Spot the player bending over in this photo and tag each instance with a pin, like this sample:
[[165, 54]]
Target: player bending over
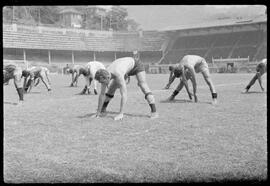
[[175, 73], [91, 68], [75, 72], [194, 64], [260, 70], [114, 77], [34, 74], [14, 72]]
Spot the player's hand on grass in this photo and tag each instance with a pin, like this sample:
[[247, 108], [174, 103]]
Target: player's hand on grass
[[119, 117], [96, 115], [166, 87], [190, 96], [171, 98]]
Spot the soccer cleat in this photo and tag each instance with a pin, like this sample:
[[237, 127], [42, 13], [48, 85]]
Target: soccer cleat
[[171, 98], [119, 117], [20, 103], [154, 115], [214, 102], [245, 91]]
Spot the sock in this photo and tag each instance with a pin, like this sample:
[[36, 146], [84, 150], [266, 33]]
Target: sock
[[214, 95], [175, 93], [153, 107], [105, 104], [20, 92], [248, 87]]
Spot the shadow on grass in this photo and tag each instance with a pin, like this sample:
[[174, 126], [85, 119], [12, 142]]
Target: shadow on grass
[[114, 113], [68, 86], [176, 101], [10, 103], [184, 101], [33, 93], [91, 94], [254, 92]]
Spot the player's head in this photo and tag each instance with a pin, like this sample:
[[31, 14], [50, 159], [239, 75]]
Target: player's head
[[29, 84], [103, 76], [5, 74], [177, 71], [25, 73], [171, 68], [136, 55], [84, 71], [69, 70]]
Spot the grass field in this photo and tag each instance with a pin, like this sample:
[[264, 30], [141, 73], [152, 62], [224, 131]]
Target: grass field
[[52, 138]]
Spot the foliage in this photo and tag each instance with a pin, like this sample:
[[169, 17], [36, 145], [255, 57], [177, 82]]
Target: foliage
[[116, 18]]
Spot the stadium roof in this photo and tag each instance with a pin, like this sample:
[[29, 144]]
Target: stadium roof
[[218, 23], [69, 10]]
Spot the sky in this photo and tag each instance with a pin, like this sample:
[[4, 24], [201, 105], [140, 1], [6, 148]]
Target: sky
[[155, 17]]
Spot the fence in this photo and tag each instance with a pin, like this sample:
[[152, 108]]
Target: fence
[[217, 66]]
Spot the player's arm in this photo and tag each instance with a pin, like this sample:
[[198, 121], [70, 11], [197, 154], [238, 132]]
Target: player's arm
[[188, 77], [123, 92], [101, 99], [260, 79], [171, 79], [193, 80]]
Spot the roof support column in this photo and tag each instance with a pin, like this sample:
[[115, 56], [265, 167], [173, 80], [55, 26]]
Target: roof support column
[[72, 57], [24, 58], [49, 56]]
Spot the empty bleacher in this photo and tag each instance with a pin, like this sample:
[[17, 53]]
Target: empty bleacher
[[227, 45]]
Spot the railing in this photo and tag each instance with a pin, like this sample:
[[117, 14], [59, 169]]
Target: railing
[[225, 60], [64, 31]]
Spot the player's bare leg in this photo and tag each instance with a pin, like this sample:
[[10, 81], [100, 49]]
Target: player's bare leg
[[46, 84], [253, 80], [209, 82], [177, 90], [19, 86], [109, 95], [147, 92]]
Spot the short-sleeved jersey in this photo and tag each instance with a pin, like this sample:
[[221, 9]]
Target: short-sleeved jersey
[[121, 66], [93, 67], [262, 66], [197, 62]]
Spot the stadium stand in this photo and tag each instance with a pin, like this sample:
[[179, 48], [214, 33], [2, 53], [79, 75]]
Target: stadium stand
[[63, 46]]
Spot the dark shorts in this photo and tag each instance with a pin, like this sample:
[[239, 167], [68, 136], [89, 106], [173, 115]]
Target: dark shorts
[[261, 68], [84, 72], [138, 67]]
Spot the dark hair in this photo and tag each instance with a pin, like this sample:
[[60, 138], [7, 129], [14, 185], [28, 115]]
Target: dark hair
[[101, 73], [25, 73], [177, 72], [171, 68]]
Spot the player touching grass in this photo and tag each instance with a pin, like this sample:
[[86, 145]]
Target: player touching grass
[[36, 73], [75, 72], [90, 71], [176, 73], [114, 77], [260, 70], [14, 72], [193, 64]]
